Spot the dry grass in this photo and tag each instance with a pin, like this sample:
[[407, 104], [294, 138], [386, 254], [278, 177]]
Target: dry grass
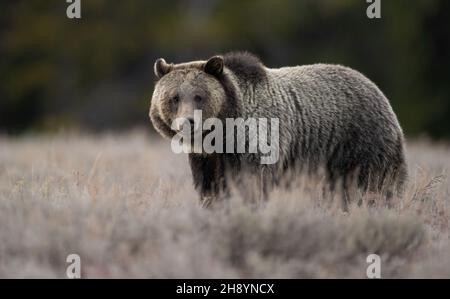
[[125, 204]]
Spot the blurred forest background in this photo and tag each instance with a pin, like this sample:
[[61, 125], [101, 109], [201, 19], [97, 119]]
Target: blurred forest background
[[95, 73]]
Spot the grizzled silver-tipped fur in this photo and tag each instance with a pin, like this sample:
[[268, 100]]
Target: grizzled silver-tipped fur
[[331, 117]]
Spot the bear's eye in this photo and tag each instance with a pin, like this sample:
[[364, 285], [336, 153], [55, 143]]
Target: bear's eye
[[198, 98], [175, 99]]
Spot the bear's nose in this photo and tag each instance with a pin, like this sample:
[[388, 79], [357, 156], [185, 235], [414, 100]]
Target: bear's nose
[[191, 122]]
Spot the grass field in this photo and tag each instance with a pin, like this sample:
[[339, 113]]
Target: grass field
[[125, 204]]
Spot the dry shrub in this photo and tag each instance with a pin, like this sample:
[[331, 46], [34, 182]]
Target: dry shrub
[[126, 205]]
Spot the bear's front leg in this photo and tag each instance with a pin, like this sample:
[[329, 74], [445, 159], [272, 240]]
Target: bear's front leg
[[208, 175]]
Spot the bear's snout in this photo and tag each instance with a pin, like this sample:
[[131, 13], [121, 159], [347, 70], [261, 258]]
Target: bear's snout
[[184, 125]]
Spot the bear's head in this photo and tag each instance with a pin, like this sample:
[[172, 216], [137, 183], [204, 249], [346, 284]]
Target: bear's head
[[183, 88]]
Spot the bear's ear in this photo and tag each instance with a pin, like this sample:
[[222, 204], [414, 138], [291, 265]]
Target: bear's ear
[[214, 66], [161, 68]]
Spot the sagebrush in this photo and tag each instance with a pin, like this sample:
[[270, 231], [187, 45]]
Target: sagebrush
[[125, 204]]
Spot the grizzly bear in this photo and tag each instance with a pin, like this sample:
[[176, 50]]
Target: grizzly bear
[[331, 118]]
